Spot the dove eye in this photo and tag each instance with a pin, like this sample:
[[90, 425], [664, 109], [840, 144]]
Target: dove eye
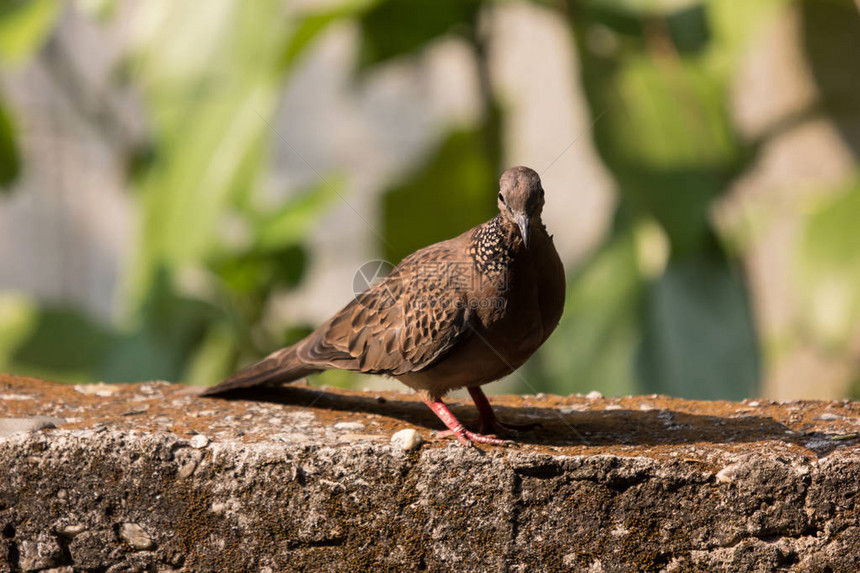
[[501, 198]]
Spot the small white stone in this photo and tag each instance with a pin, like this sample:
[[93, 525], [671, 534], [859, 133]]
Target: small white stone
[[351, 426], [572, 409], [187, 469], [613, 407], [135, 535], [198, 441], [754, 404], [39, 554], [728, 473], [645, 407], [828, 417], [290, 437], [15, 397], [594, 395], [100, 389], [73, 529], [408, 439]]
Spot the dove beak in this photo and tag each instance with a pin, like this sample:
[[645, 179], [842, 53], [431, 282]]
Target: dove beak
[[523, 224]]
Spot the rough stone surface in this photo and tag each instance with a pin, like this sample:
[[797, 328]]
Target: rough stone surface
[[300, 479]]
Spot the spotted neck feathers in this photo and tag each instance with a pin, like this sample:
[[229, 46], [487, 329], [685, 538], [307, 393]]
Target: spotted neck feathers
[[493, 246]]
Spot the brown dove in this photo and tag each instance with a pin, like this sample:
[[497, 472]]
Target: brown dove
[[459, 313]]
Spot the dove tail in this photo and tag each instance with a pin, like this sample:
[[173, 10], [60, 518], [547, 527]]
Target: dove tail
[[277, 368]]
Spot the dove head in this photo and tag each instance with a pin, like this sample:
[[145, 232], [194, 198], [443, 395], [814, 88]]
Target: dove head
[[521, 199]]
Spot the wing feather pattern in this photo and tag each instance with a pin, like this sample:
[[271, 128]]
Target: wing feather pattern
[[404, 323]]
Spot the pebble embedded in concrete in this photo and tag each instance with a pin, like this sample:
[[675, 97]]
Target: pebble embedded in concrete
[[198, 441], [351, 426], [73, 529], [135, 535], [187, 469], [407, 440], [100, 389], [594, 395], [728, 473], [41, 553], [573, 409]]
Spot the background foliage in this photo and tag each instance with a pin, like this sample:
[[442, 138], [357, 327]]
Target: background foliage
[[661, 306]]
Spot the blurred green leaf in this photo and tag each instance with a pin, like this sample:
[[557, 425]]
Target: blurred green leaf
[[291, 224], [211, 130], [675, 114], [666, 135], [258, 272], [689, 28], [828, 266], [699, 341], [213, 359], [188, 192], [176, 317], [243, 274], [452, 192], [309, 26], [171, 327], [831, 39], [143, 355], [18, 317], [100, 9], [212, 137], [294, 334], [641, 8], [393, 28], [24, 25], [274, 257], [734, 24], [64, 345], [289, 266], [687, 24], [601, 15], [10, 163]]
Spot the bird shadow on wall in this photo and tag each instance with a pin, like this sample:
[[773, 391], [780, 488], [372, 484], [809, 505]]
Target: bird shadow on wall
[[586, 428]]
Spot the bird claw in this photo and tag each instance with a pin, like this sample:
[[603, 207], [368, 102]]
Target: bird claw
[[495, 427], [490, 432], [467, 438]]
